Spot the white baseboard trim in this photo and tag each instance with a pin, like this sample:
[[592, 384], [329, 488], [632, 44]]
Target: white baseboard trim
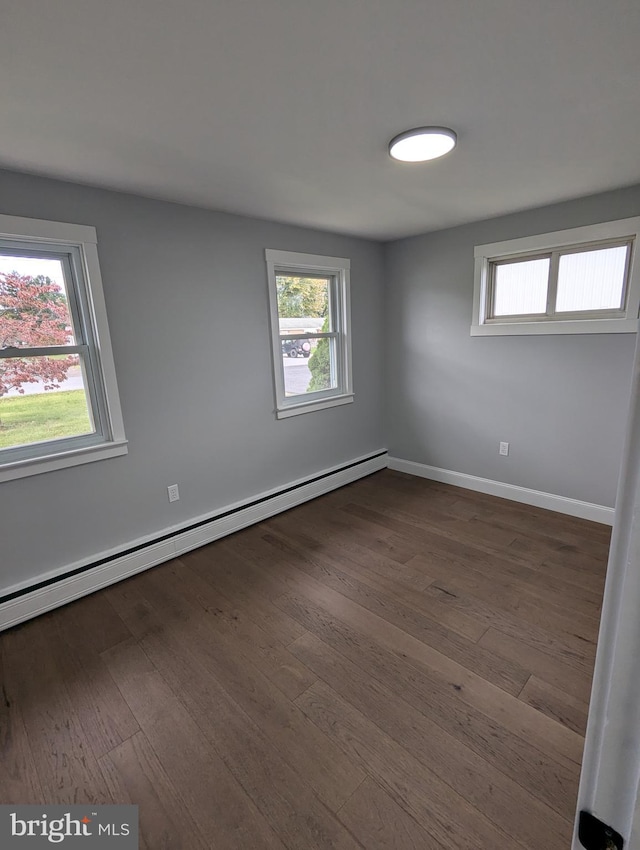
[[561, 504], [22, 602]]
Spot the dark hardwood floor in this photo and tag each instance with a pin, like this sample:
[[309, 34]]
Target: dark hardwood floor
[[398, 664]]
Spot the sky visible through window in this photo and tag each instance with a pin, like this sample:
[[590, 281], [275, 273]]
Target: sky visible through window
[[33, 266]]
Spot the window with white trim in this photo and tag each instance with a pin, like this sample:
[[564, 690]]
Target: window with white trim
[[59, 401], [584, 280], [310, 331]]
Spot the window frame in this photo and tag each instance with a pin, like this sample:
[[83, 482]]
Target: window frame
[[76, 247], [554, 245], [337, 269]]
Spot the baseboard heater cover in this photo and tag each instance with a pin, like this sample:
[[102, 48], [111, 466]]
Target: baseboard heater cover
[[23, 602]]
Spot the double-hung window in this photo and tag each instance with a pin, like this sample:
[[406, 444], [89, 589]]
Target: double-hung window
[[58, 396], [310, 330], [583, 280]]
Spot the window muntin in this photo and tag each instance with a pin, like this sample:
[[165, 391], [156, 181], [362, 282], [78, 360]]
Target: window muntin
[[309, 299], [583, 280], [58, 396]]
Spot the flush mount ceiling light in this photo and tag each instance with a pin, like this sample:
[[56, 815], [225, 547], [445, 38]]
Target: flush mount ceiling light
[[422, 144]]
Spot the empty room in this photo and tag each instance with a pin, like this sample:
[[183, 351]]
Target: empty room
[[319, 425]]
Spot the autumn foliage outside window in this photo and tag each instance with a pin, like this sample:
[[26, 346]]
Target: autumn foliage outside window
[[43, 395], [33, 314], [59, 402]]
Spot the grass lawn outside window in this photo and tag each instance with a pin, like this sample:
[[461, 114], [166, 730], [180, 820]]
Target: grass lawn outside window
[[43, 416]]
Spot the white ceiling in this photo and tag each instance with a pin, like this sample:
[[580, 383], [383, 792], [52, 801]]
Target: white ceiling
[[283, 108]]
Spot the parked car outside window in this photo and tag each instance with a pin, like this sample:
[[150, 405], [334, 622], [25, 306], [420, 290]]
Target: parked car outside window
[[296, 347]]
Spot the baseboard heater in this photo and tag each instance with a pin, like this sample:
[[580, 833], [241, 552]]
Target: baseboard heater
[[54, 589]]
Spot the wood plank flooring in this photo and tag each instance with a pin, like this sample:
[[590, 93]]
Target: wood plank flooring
[[399, 664]]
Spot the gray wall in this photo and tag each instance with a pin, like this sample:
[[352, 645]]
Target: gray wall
[[561, 401], [187, 304]]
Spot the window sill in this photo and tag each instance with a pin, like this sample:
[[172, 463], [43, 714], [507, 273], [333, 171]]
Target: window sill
[[310, 406], [582, 326], [61, 460]]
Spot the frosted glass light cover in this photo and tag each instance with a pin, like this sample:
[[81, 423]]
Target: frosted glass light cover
[[422, 144]]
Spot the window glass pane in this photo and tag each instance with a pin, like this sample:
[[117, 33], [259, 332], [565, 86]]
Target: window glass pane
[[308, 370], [34, 308], [520, 288], [592, 280], [303, 304], [42, 398]]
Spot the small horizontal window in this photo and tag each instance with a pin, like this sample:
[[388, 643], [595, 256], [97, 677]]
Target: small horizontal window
[[549, 284]]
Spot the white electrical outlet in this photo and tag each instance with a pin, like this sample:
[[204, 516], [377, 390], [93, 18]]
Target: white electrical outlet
[[504, 449], [174, 493]]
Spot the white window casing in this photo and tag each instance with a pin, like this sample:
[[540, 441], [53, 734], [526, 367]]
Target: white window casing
[[337, 270], [76, 246], [554, 246]]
